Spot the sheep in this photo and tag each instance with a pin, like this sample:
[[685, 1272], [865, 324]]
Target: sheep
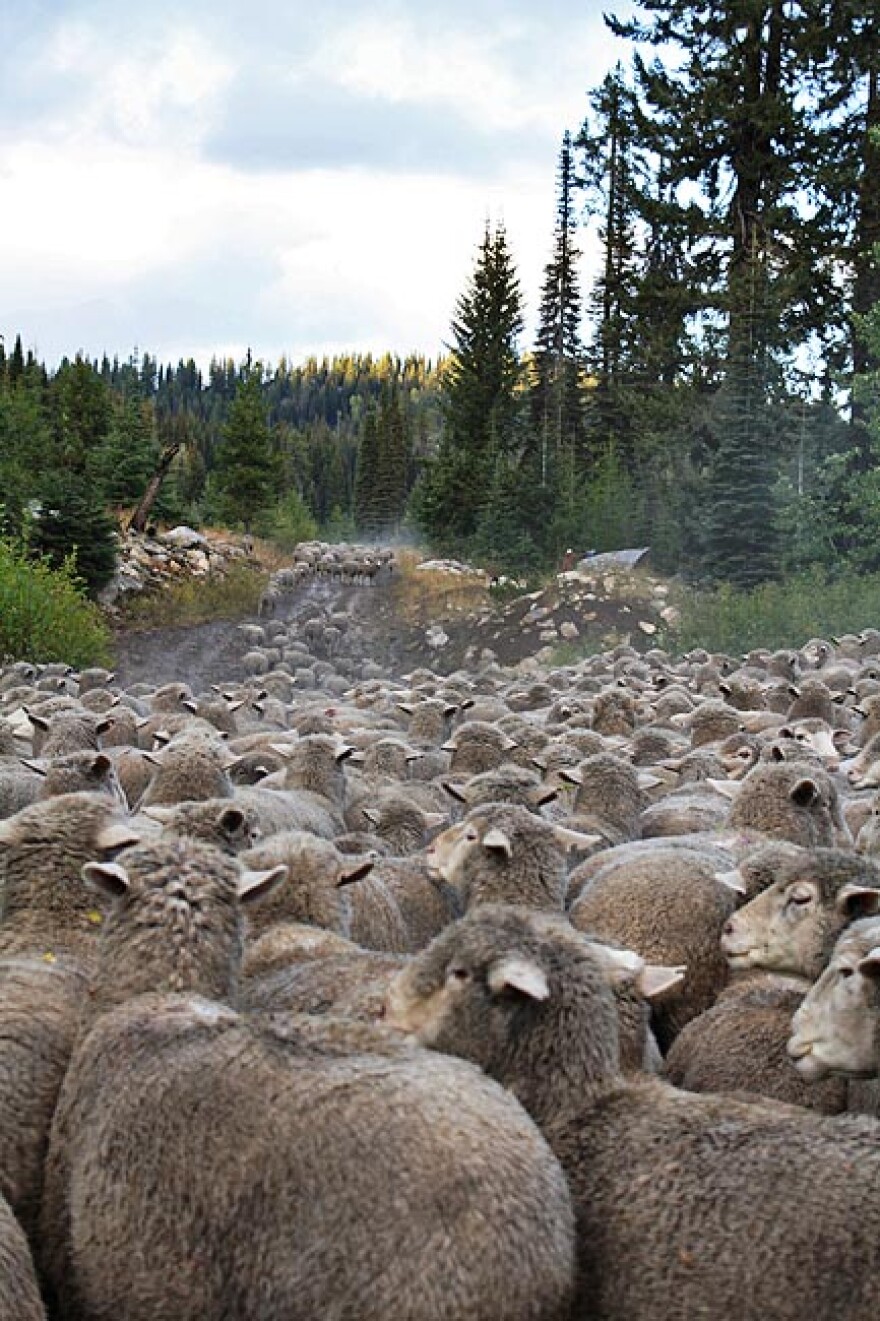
[[507, 783], [20, 785], [787, 800], [19, 1292], [503, 851], [668, 906], [835, 1029], [40, 1004], [608, 800], [189, 769], [396, 818], [376, 1154], [686, 1204], [739, 1045], [93, 772], [222, 822], [175, 920], [352, 982], [791, 926], [477, 746], [45, 908], [318, 877], [72, 730]]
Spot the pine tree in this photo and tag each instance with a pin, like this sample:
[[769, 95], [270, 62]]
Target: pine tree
[[557, 395], [71, 519], [481, 400], [247, 472], [366, 476]]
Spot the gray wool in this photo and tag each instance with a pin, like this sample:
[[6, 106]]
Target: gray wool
[[19, 1290], [371, 1155], [43, 848], [716, 1207], [738, 1045]]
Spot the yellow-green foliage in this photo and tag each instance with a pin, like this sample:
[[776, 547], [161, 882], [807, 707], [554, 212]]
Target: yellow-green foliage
[[44, 613], [198, 600], [783, 614], [424, 596]]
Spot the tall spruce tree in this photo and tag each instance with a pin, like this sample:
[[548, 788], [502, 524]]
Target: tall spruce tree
[[248, 470], [724, 115], [557, 392], [480, 395]]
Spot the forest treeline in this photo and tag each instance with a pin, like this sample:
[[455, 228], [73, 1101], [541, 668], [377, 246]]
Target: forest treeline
[[712, 395]]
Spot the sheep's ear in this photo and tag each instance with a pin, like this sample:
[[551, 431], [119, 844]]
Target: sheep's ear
[[231, 705], [654, 979], [620, 964], [433, 820], [190, 705], [497, 841], [406, 707], [254, 885], [103, 726], [372, 815], [517, 973], [116, 835], [355, 873], [40, 721], [449, 711], [733, 880], [231, 819], [230, 759], [36, 766], [110, 878], [858, 901], [647, 780], [575, 839], [571, 776], [869, 966], [344, 752], [805, 793], [544, 796], [456, 791], [727, 788]]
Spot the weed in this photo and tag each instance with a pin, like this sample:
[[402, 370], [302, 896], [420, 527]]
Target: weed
[[197, 600]]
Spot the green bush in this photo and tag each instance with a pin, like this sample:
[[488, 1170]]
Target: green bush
[[44, 613], [776, 614]]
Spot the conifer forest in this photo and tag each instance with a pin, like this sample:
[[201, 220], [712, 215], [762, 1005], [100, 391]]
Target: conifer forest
[[713, 395]]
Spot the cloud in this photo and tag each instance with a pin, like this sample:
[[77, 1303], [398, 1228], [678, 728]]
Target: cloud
[[290, 179]]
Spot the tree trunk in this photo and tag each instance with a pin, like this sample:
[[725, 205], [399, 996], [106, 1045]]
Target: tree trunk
[[138, 520]]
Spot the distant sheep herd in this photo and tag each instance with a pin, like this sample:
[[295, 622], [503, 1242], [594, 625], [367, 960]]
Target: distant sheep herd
[[347, 994]]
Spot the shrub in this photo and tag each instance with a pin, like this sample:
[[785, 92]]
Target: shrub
[[287, 523], [44, 613], [775, 614]]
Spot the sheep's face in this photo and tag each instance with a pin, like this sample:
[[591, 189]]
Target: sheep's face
[[789, 926], [837, 1026]]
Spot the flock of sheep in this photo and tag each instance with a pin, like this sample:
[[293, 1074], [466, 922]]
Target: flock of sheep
[[338, 993]]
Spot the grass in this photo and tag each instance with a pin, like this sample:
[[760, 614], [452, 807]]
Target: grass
[[425, 596], [197, 600], [783, 614], [45, 615]]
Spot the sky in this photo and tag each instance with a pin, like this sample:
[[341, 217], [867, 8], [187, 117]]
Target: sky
[[198, 180]]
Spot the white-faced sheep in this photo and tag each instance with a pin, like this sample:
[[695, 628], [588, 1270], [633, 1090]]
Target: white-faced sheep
[[687, 1205], [837, 1027], [791, 926]]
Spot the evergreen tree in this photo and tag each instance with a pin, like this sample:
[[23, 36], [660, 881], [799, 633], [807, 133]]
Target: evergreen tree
[[70, 519], [367, 476], [481, 399], [557, 396], [123, 463], [247, 473]]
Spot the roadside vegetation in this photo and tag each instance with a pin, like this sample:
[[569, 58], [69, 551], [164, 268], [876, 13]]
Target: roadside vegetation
[[45, 614]]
